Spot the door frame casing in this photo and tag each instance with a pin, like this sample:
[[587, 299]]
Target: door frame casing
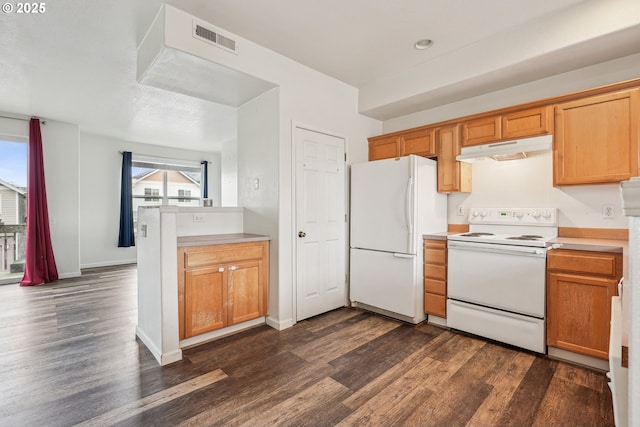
[[294, 233]]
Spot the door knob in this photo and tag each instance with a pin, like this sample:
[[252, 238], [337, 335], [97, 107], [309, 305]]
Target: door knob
[[301, 234]]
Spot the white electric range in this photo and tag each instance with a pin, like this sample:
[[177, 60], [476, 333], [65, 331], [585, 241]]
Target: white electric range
[[497, 275]]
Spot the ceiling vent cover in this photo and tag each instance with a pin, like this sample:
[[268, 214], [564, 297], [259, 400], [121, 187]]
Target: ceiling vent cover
[[213, 37]]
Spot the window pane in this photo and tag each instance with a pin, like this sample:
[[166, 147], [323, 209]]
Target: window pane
[[149, 183], [183, 188]]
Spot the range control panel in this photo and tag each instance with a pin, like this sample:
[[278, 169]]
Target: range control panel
[[547, 217]]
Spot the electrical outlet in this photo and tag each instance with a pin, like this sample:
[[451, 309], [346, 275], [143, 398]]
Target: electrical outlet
[[198, 218], [608, 211], [460, 210]]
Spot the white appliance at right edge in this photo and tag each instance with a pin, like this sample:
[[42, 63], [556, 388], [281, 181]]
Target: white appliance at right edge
[[394, 202]]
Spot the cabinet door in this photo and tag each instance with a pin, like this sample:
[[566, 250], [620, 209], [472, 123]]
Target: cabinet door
[[421, 143], [452, 174], [247, 291], [205, 300], [385, 148], [481, 131], [578, 313], [533, 122], [596, 139]]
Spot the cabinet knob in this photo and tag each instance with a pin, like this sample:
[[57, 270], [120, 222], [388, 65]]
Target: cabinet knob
[[302, 234], [233, 268], [221, 270]]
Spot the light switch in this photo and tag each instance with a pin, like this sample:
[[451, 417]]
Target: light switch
[[256, 183]]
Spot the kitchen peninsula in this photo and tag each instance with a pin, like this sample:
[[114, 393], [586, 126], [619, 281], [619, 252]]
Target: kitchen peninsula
[[197, 272]]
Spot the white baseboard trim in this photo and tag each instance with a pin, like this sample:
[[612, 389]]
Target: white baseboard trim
[[435, 320], [69, 275], [209, 336], [580, 359], [174, 356], [150, 344], [108, 263], [163, 359], [278, 324]]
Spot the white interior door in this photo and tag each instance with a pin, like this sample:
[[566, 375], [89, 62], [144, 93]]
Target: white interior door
[[320, 223]]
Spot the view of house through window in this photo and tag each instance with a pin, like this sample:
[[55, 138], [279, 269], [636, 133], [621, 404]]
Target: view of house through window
[[13, 210], [156, 184]]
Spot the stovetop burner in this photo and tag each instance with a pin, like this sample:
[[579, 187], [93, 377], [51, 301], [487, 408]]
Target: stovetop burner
[[525, 237]]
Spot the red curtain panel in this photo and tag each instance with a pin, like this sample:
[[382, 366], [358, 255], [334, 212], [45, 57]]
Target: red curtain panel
[[40, 264]]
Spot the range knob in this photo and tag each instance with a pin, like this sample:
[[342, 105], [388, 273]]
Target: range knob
[[475, 214], [519, 214], [546, 214], [536, 214], [483, 213]]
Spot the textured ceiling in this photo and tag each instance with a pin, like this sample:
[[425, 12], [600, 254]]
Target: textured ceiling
[[77, 62]]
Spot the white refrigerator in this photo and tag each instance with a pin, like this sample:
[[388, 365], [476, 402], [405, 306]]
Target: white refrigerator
[[394, 202]]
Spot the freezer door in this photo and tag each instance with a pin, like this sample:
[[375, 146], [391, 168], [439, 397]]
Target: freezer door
[[382, 195], [385, 280]]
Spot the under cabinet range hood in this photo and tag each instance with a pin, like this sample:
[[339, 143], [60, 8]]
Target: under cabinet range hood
[[507, 150]]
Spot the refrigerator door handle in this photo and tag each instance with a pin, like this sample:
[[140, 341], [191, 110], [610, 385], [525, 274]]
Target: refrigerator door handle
[[408, 210], [408, 256]]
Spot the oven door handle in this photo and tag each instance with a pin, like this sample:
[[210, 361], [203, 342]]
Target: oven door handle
[[500, 249]]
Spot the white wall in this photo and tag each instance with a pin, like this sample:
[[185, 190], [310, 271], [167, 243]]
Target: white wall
[[258, 140], [229, 173], [529, 183], [100, 168]]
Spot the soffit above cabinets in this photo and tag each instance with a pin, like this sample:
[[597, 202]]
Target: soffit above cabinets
[[163, 64]]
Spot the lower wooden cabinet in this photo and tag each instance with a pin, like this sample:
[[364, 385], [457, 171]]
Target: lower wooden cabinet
[[221, 285], [435, 277], [580, 285]]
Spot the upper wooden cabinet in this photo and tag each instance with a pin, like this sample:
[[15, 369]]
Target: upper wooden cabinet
[[518, 124], [481, 131], [532, 122], [384, 148], [420, 142], [596, 139], [452, 175]]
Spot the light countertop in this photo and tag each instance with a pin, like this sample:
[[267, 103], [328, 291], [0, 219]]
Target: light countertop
[[219, 239]]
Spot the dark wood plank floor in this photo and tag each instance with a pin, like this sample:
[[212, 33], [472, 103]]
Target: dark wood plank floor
[[69, 356]]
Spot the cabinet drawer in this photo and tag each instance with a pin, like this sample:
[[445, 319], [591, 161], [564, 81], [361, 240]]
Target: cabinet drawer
[[435, 244], [219, 254], [438, 272], [601, 263], [434, 286], [435, 256], [435, 304]]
